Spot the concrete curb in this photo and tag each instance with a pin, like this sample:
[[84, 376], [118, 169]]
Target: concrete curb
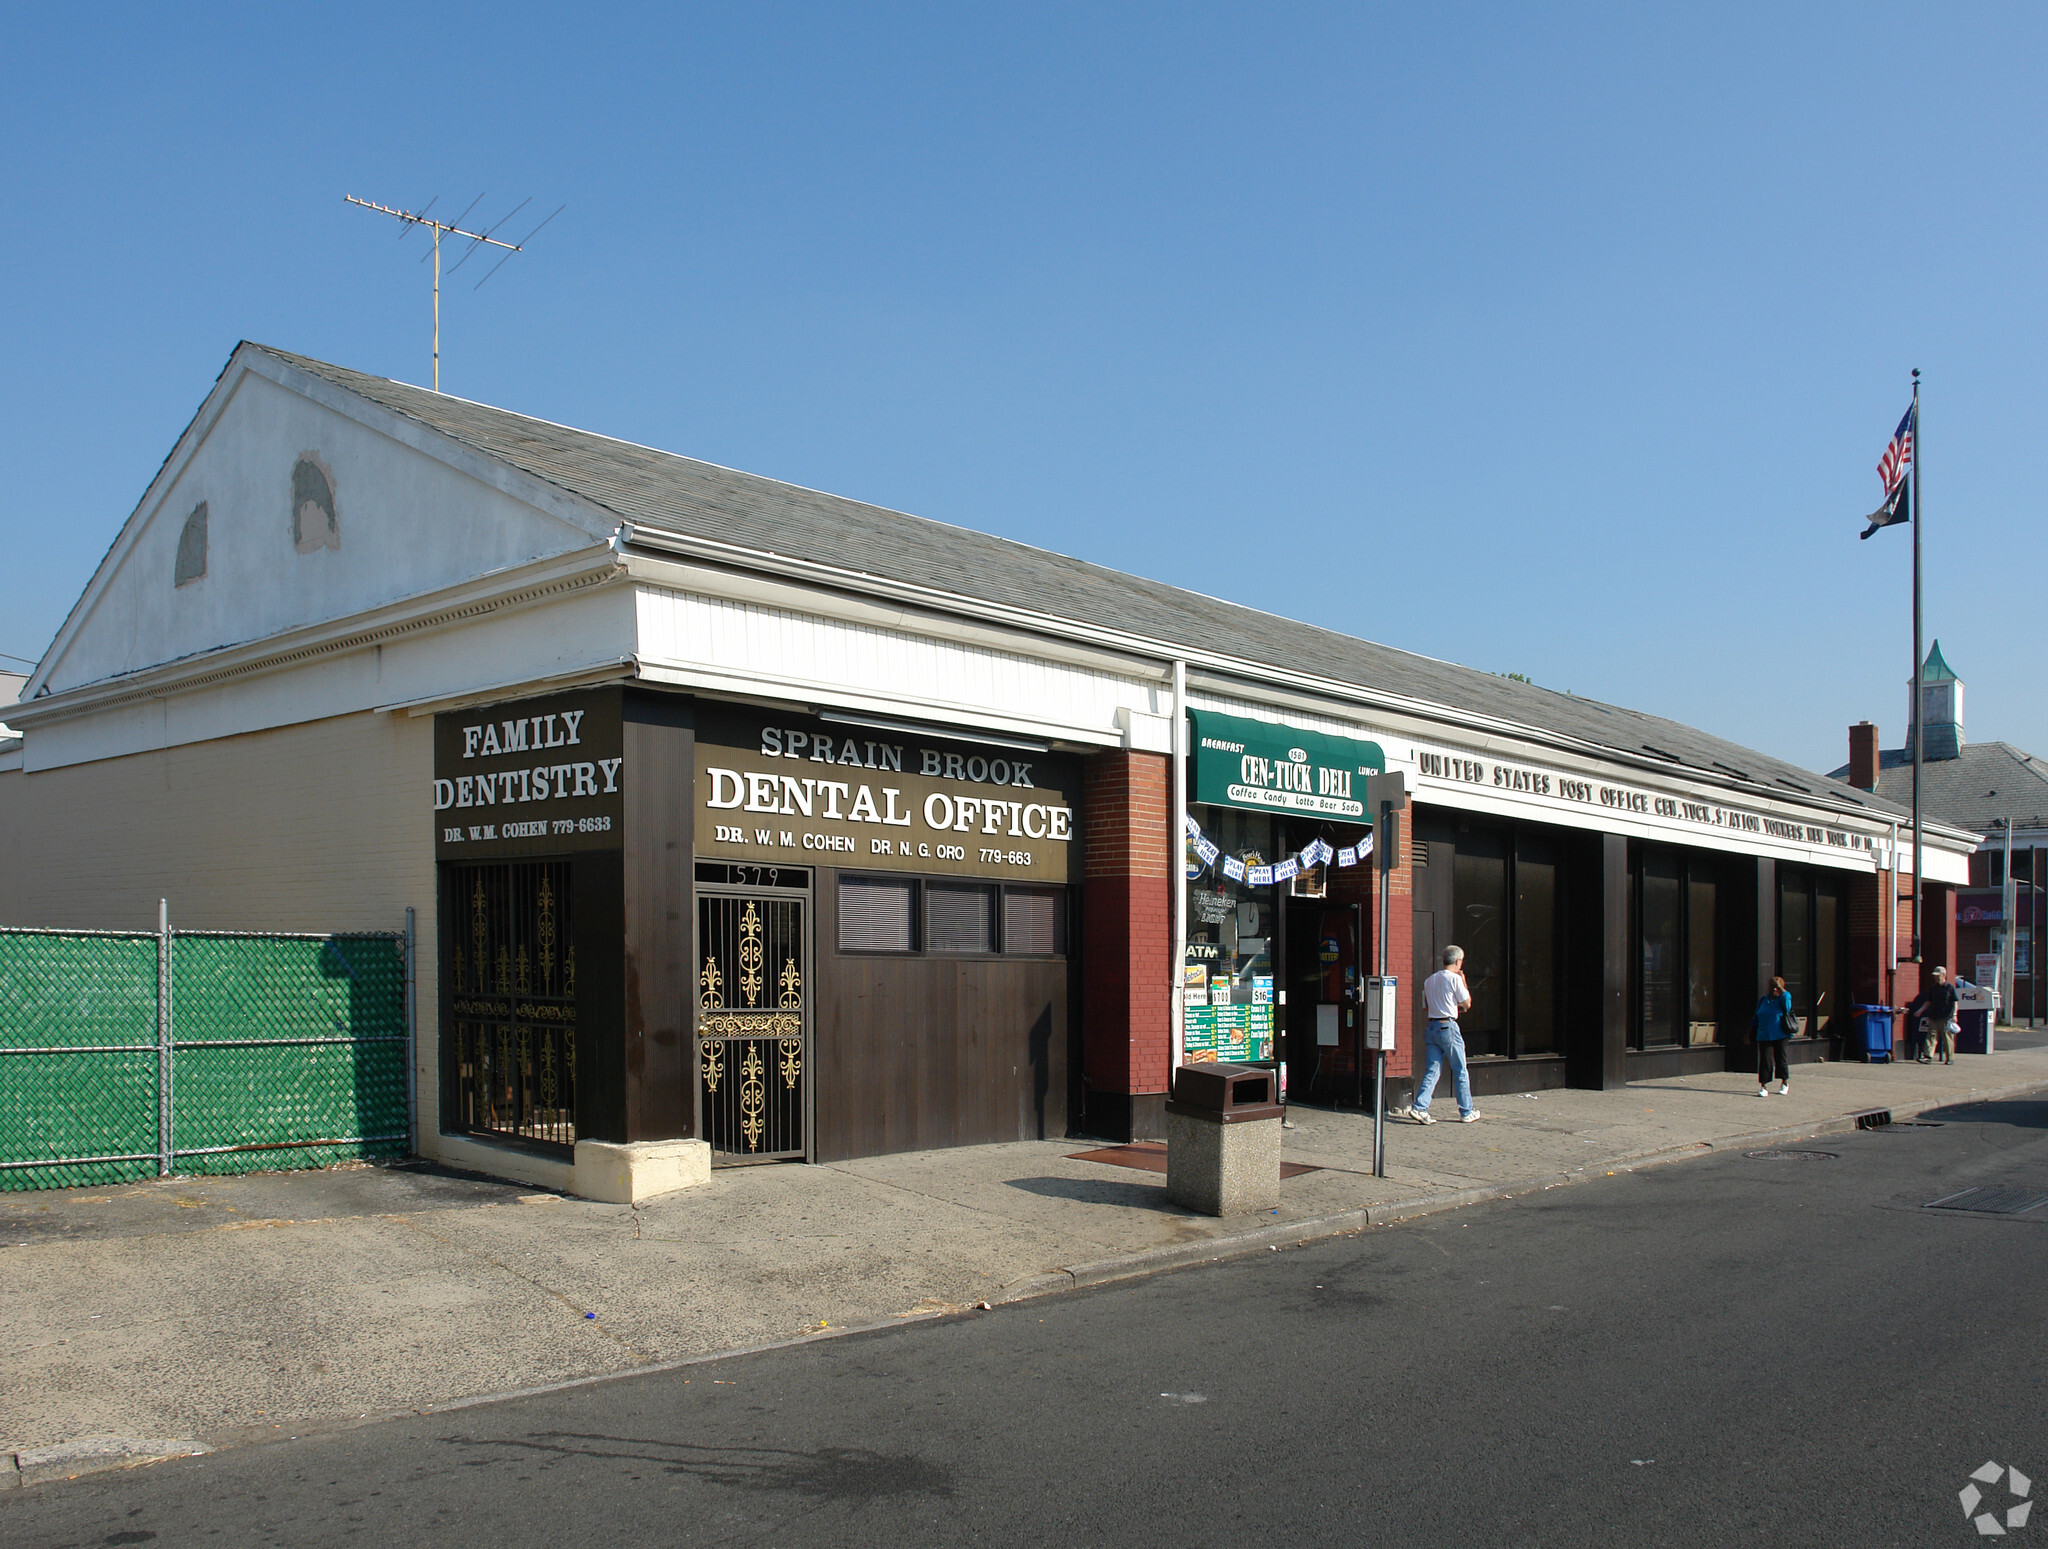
[[90, 1455], [1151, 1261]]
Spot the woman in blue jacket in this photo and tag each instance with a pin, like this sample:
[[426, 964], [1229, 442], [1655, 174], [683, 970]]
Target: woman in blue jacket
[[1773, 1027]]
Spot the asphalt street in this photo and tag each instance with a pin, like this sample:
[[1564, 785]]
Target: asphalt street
[[1777, 1349]]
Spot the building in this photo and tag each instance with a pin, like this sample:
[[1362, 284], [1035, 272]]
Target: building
[[1992, 790], [763, 820]]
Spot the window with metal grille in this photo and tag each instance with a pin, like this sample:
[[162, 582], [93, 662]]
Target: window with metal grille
[[960, 917], [1034, 922], [877, 914]]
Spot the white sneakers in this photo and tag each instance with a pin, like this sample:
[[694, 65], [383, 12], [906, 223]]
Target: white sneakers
[[1784, 1089], [1471, 1118], [1764, 1091], [1422, 1115]]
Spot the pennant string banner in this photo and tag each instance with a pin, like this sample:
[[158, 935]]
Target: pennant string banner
[[1316, 852]]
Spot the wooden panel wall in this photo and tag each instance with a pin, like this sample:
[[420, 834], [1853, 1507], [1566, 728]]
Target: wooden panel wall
[[917, 1053], [657, 1102]]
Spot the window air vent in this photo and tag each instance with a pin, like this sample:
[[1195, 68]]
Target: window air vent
[[1795, 785], [1651, 747], [1418, 852]]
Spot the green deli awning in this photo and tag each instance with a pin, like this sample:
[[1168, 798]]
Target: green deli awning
[[1240, 763]]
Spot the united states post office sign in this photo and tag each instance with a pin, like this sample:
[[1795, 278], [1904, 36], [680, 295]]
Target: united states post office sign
[[788, 789], [530, 777], [1269, 768]]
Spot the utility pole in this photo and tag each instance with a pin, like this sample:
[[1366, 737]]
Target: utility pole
[[479, 239], [1919, 670]]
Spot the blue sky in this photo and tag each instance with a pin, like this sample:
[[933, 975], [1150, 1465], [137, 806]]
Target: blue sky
[[1556, 340]]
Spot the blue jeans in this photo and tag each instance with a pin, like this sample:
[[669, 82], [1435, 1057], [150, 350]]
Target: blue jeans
[[1446, 1047]]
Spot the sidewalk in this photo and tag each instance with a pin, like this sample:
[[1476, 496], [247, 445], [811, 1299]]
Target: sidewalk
[[224, 1310]]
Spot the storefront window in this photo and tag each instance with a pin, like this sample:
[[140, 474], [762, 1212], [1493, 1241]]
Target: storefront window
[[1827, 915], [1795, 937], [1700, 964], [1536, 1030], [1034, 921], [1479, 882], [960, 917], [1661, 948], [877, 914], [1227, 976]]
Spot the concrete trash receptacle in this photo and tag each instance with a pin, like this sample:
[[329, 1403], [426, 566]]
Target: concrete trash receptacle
[[1223, 1140]]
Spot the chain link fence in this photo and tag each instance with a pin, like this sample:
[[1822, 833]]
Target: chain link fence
[[132, 1055]]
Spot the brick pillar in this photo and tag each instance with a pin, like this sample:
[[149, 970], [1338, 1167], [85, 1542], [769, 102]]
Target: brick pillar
[[1126, 945], [1405, 1060]]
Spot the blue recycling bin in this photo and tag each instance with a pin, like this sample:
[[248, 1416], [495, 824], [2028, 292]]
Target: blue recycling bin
[[1874, 1033]]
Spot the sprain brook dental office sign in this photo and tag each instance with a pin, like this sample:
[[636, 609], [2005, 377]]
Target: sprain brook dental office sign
[[1240, 763], [793, 790]]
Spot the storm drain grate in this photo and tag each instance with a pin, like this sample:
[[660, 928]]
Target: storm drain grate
[[1792, 1156], [1992, 1201]]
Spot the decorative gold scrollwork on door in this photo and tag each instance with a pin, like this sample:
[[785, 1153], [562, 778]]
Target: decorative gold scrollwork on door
[[751, 1115], [750, 954]]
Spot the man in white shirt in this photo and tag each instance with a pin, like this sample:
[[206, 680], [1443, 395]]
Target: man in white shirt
[[1444, 995]]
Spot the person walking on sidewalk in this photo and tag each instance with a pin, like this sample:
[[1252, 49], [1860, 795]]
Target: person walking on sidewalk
[[1444, 995], [1774, 1024], [1932, 1016]]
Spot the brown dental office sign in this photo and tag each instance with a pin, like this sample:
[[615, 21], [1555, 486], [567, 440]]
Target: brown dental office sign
[[785, 789], [530, 777]]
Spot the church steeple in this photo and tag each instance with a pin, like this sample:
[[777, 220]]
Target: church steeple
[[1941, 698]]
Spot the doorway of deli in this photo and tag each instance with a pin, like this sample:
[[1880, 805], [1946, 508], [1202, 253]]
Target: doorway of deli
[[1278, 880]]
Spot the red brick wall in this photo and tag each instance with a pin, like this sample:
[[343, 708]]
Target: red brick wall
[[1127, 931]]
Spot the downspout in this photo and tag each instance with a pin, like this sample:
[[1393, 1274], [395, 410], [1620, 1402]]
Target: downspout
[[1176, 852], [1891, 911]]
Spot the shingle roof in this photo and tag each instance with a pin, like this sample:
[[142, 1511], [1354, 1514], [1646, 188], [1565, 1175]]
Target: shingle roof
[[680, 494], [1990, 782]]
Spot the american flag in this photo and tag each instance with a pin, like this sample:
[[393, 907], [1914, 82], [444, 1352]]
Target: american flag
[[1898, 457]]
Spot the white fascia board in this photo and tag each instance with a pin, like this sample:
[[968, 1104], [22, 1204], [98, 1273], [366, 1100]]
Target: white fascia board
[[573, 510], [1233, 676], [525, 645], [733, 585], [588, 675], [763, 688]]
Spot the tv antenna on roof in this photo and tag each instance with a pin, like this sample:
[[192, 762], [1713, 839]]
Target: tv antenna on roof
[[477, 239]]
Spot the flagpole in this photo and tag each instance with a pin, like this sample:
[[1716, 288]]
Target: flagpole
[[1919, 685]]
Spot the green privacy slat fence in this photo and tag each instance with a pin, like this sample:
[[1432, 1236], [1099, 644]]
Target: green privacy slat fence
[[78, 1058], [254, 1052]]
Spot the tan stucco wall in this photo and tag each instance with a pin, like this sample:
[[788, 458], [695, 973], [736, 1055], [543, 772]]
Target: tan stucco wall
[[326, 826]]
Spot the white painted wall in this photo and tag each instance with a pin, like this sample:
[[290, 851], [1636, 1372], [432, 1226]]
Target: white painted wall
[[409, 524]]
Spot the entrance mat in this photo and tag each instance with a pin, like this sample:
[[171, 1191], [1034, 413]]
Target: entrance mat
[[1150, 1156]]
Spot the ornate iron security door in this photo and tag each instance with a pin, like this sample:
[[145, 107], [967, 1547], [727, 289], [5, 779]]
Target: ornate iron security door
[[753, 1026], [510, 993]]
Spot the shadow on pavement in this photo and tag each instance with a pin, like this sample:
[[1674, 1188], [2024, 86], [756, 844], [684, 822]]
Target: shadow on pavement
[[1098, 1191], [2018, 1112]]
